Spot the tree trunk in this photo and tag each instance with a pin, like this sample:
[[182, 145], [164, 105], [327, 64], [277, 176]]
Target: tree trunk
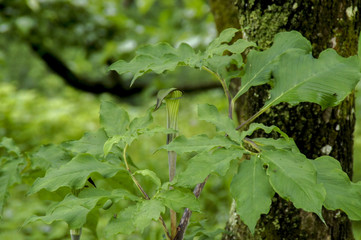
[[327, 23]]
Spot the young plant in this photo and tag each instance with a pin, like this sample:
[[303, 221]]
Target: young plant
[[265, 166], [172, 98]]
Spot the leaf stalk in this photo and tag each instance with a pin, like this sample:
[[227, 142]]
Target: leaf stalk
[[172, 104], [145, 195]]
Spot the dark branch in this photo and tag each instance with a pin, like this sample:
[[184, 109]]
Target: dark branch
[[116, 87], [61, 69], [183, 224]]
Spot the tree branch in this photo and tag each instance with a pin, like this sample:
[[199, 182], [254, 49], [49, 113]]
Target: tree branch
[[183, 224], [60, 68]]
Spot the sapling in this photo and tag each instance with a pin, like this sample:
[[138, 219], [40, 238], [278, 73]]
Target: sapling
[[272, 166], [172, 98]]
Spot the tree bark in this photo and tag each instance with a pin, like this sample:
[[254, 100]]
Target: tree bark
[[327, 24]]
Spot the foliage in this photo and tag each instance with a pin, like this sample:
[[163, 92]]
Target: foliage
[[265, 166], [29, 113], [89, 34]]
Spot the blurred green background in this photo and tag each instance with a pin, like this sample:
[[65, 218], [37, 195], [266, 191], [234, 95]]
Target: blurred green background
[[40, 105]]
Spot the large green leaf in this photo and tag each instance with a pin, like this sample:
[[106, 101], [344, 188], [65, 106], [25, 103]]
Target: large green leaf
[[76, 211], [197, 143], [123, 223], [280, 143], [91, 142], [113, 118], [178, 199], [294, 178], [72, 210], [221, 65], [116, 194], [326, 81], [10, 146], [236, 48], [268, 129], [205, 163], [73, 174], [146, 212], [9, 175], [136, 127], [223, 123], [252, 191], [162, 57], [10, 162], [151, 175], [224, 37], [260, 64], [49, 156], [158, 58], [135, 217], [341, 193]]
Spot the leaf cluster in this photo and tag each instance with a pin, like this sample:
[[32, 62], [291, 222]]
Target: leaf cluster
[[265, 166]]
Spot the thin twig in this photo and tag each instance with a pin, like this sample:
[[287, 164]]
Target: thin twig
[[188, 213], [225, 88], [145, 195]]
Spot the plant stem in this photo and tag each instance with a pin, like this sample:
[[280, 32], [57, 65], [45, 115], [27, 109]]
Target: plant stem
[[145, 195], [172, 105], [256, 115], [75, 234], [183, 224], [198, 189], [225, 89]]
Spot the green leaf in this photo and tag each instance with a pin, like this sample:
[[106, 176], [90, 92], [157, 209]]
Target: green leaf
[[260, 64], [113, 118], [221, 65], [9, 175], [162, 94], [197, 143], [136, 217], [252, 191], [73, 174], [280, 143], [49, 156], [137, 127], [237, 47], [158, 58], [91, 142], [152, 175], [268, 129], [116, 194], [115, 140], [223, 123], [122, 224], [178, 199], [205, 163], [10, 146], [139, 124], [294, 178], [341, 193], [224, 37], [325, 81], [146, 212], [72, 210]]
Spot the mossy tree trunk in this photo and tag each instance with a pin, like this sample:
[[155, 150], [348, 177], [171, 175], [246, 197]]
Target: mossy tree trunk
[[327, 24]]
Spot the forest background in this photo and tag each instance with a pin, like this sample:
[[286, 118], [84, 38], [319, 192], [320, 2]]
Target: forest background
[[54, 57]]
